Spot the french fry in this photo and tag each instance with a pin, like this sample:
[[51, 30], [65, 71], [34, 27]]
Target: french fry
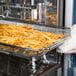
[[25, 36]]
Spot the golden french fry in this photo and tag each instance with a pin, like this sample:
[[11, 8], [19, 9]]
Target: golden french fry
[[26, 37]]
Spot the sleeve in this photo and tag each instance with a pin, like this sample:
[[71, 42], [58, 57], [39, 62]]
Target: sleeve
[[69, 45]]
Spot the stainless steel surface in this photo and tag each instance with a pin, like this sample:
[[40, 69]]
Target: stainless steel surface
[[41, 12], [1, 10], [64, 31], [51, 72], [3, 1], [47, 12], [39, 64], [51, 12], [14, 66], [20, 49]]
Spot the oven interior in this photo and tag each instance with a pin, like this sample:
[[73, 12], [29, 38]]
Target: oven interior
[[35, 11]]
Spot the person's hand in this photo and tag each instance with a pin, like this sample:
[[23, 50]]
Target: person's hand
[[69, 45]]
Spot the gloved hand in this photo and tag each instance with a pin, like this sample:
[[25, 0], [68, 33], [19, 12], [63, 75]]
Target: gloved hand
[[69, 45]]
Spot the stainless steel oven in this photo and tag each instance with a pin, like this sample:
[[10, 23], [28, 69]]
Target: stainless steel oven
[[44, 15], [48, 12]]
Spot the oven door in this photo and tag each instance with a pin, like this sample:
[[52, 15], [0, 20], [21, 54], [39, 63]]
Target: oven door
[[47, 12]]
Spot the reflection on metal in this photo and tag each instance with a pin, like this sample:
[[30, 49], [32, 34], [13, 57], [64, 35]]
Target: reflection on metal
[[33, 65], [44, 11], [41, 14], [32, 11], [51, 12]]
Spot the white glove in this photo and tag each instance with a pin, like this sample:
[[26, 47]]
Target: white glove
[[69, 45]]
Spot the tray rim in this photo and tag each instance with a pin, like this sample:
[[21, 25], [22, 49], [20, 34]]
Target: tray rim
[[49, 48]]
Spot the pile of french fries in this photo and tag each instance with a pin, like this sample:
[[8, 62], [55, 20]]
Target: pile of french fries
[[25, 36]]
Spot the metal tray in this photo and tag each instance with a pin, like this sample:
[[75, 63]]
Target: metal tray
[[23, 52]]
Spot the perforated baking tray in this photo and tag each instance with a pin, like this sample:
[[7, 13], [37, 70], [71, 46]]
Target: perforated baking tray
[[24, 52]]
